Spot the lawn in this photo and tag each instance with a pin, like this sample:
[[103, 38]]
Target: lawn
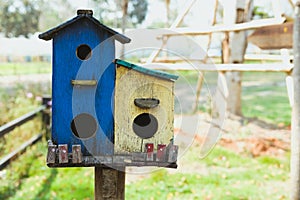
[[264, 95], [24, 68], [221, 175]]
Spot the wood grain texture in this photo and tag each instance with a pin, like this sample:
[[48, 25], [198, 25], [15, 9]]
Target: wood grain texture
[[135, 159], [295, 130], [70, 101], [273, 37], [265, 67], [131, 85], [109, 184]]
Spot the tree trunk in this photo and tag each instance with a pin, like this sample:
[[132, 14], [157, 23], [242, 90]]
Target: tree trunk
[[295, 133], [225, 49], [168, 12], [124, 23], [236, 51]]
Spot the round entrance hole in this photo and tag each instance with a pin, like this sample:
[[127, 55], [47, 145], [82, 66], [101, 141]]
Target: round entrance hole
[[84, 126], [83, 52], [145, 125]]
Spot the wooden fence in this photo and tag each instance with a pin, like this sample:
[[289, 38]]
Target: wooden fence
[[8, 127]]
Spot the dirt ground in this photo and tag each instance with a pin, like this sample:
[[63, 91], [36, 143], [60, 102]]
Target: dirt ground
[[253, 136]]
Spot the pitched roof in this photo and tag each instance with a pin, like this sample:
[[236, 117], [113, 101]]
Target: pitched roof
[[88, 14], [151, 72]]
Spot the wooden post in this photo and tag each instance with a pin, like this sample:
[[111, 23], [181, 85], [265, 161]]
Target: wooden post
[[109, 184], [295, 133], [46, 118]]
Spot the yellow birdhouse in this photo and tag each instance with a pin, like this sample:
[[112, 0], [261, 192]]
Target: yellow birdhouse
[[144, 108]]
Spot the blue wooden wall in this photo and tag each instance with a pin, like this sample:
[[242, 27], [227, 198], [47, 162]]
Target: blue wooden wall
[[69, 100]]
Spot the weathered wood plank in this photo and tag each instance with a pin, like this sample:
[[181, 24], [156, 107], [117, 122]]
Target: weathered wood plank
[[273, 37], [224, 28], [295, 130], [174, 59], [109, 184], [265, 57], [271, 67]]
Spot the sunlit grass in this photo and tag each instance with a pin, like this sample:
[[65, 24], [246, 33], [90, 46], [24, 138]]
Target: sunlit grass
[[264, 94], [24, 68], [267, 102], [227, 175]]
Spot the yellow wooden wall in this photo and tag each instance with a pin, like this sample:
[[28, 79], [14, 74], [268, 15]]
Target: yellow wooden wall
[[130, 85]]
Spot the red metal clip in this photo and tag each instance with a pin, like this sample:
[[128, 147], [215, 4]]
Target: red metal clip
[[161, 153], [76, 153], [149, 147], [63, 153]]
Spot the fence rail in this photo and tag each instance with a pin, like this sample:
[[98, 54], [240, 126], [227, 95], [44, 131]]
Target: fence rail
[[8, 127]]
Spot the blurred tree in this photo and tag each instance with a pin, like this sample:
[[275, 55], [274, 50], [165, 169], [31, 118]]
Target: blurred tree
[[55, 12], [260, 13], [168, 11], [116, 13], [135, 9], [19, 17]]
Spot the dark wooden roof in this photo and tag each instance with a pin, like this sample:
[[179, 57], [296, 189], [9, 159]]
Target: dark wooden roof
[[151, 72], [88, 14]]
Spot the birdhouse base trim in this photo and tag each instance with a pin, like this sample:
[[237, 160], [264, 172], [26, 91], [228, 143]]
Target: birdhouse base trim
[[115, 161], [58, 156]]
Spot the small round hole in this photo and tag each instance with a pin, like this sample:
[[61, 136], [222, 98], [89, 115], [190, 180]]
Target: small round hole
[[84, 52], [84, 126], [145, 125]]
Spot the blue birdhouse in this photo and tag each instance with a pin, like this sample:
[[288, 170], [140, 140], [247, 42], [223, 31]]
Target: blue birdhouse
[[83, 85]]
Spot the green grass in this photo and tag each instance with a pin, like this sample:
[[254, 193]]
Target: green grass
[[28, 177], [16, 101], [24, 68], [267, 102], [226, 175]]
